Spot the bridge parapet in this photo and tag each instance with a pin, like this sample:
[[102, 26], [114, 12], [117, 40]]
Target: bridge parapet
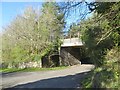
[[72, 42]]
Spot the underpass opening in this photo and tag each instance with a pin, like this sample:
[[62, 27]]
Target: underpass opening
[[74, 55]]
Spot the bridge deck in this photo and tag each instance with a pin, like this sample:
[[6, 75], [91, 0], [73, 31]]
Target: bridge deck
[[72, 42]]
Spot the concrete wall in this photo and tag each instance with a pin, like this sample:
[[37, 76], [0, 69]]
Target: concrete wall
[[70, 56], [72, 42]]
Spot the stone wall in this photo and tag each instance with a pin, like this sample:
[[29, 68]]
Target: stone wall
[[33, 64], [22, 65], [50, 61]]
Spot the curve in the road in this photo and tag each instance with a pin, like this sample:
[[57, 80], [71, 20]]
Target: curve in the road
[[67, 78]]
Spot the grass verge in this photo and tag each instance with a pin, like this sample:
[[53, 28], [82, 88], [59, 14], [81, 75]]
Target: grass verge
[[101, 78], [9, 70]]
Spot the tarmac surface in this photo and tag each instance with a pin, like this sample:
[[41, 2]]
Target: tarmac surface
[[64, 78]]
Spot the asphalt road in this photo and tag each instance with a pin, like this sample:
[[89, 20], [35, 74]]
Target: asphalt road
[[65, 78]]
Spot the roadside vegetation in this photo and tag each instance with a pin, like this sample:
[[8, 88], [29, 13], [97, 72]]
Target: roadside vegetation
[[36, 35], [32, 36], [101, 37]]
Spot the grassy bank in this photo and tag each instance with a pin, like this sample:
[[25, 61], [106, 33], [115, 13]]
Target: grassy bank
[[101, 78], [8, 70]]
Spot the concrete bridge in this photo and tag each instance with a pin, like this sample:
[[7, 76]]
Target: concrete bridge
[[70, 42], [70, 51]]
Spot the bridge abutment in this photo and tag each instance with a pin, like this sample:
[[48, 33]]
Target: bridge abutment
[[70, 56]]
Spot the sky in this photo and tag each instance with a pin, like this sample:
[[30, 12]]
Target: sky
[[11, 9]]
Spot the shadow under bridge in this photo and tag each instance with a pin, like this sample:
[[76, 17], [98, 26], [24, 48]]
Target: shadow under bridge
[[70, 51]]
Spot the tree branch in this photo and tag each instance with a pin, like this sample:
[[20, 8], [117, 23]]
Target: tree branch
[[106, 35]]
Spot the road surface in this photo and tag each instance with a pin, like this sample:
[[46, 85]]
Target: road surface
[[65, 78]]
